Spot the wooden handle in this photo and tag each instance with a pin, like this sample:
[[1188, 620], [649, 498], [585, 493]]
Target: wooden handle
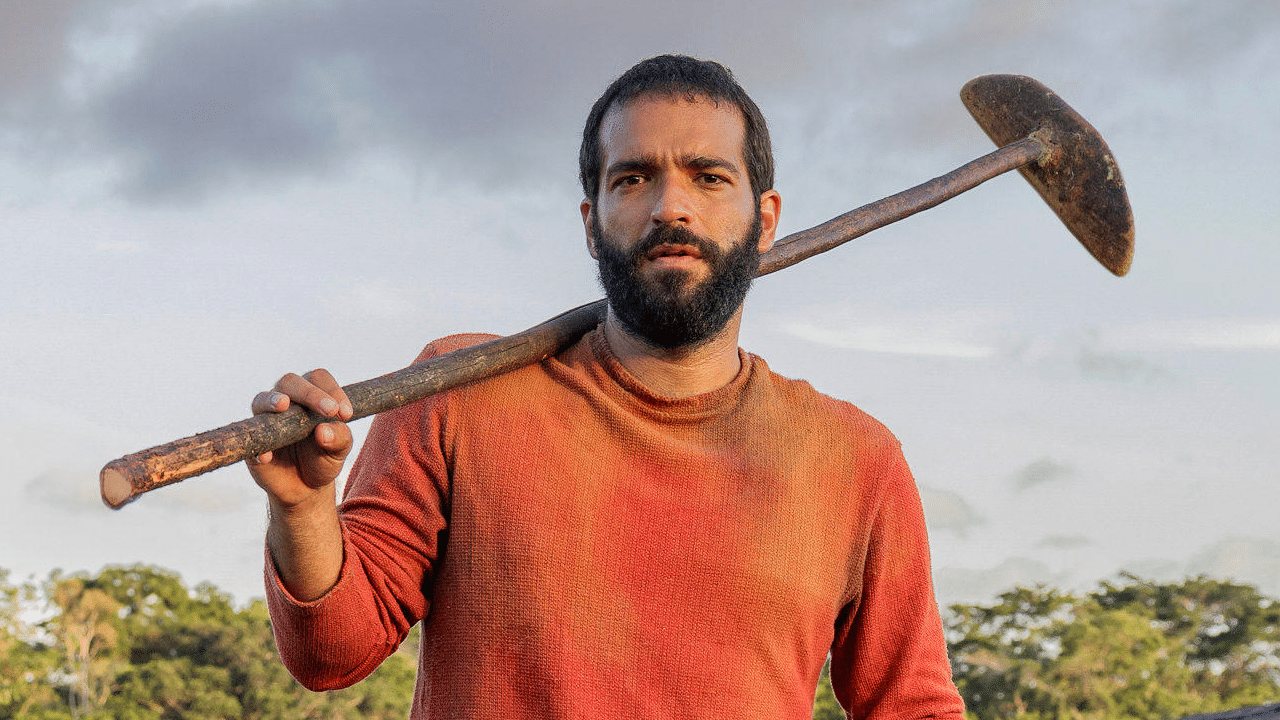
[[124, 479]]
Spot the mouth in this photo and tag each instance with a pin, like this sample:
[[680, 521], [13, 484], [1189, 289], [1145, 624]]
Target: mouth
[[670, 253]]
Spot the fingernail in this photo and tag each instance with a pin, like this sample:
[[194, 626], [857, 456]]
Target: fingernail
[[347, 409], [328, 406], [324, 433], [274, 398]]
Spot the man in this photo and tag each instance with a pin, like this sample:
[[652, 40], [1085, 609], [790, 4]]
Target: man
[[650, 524]]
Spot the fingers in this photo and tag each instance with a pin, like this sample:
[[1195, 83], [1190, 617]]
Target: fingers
[[316, 390], [269, 401], [291, 474], [317, 461], [335, 402], [333, 438]]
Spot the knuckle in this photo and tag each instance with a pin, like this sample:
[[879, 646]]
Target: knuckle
[[317, 374]]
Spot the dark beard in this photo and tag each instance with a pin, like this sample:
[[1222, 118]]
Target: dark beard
[[666, 311]]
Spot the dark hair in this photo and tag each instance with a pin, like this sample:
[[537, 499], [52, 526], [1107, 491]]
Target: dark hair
[[678, 75]]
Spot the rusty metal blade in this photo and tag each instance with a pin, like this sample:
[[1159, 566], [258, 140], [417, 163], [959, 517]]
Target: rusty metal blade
[[1078, 176]]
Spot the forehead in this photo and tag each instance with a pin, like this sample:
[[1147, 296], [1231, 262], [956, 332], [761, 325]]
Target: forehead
[[652, 125]]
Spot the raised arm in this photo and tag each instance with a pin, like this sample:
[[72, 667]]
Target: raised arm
[[303, 535]]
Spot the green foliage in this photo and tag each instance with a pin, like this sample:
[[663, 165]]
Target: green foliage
[[87, 630], [825, 705], [133, 643], [24, 662], [1133, 650]]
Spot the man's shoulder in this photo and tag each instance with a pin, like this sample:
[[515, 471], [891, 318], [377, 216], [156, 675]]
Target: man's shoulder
[[804, 400], [450, 343], [494, 389]]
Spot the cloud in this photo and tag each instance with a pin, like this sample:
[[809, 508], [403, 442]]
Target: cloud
[[946, 510], [222, 491], [1251, 560], [76, 490], [1064, 542], [68, 488], [376, 301], [1044, 471], [206, 96], [216, 95], [1216, 334], [1100, 361], [1121, 353], [32, 42], [1118, 367], [965, 585], [1193, 38], [946, 333], [1245, 559], [119, 247]]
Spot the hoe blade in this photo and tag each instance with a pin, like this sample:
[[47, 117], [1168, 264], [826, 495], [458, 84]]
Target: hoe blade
[[1078, 177]]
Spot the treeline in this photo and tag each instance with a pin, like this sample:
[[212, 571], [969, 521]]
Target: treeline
[[134, 643], [1130, 649]]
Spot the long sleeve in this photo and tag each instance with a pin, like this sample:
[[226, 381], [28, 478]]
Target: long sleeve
[[889, 659], [394, 518]]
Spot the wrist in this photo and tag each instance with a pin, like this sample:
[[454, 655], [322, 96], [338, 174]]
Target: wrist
[[303, 520], [305, 542], [302, 503]]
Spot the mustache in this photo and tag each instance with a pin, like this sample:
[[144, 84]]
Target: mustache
[[673, 235]]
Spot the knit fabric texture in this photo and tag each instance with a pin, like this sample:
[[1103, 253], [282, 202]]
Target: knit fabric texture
[[578, 547]]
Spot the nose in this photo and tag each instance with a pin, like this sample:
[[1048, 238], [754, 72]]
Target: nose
[[671, 205]]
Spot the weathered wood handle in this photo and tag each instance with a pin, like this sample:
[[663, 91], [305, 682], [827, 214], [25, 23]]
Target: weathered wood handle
[[124, 479]]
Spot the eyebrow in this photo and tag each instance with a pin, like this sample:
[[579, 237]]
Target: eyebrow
[[650, 162]]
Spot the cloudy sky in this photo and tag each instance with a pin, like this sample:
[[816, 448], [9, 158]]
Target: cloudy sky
[[197, 196]]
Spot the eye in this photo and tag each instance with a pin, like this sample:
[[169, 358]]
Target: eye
[[712, 179], [628, 180]]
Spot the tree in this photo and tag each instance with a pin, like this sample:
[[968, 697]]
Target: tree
[[24, 662], [1133, 650], [1230, 633], [86, 630], [134, 643], [193, 655]]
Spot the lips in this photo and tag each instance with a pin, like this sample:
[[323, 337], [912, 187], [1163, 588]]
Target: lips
[[674, 250]]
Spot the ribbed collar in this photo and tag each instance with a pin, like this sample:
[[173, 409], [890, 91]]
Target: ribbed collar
[[615, 380]]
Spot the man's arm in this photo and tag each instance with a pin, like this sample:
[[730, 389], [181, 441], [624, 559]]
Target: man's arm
[[303, 534], [345, 585], [889, 656]]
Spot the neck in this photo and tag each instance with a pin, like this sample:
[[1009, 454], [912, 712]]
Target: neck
[[677, 372]]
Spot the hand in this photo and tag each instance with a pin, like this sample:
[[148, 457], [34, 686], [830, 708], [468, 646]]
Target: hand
[[307, 469]]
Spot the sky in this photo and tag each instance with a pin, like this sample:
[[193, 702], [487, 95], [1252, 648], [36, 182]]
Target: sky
[[197, 196]]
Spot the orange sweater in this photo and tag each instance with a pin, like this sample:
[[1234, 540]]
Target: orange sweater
[[580, 548]]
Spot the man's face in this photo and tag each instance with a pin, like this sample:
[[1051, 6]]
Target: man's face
[[675, 225]]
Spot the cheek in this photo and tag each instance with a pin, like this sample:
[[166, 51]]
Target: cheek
[[616, 215], [622, 229]]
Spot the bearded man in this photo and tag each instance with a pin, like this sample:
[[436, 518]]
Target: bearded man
[[649, 524]]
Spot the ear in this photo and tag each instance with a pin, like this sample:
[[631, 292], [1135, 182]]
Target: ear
[[587, 209], [770, 211]]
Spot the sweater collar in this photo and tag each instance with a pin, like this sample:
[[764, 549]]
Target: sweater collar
[[694, 406]]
